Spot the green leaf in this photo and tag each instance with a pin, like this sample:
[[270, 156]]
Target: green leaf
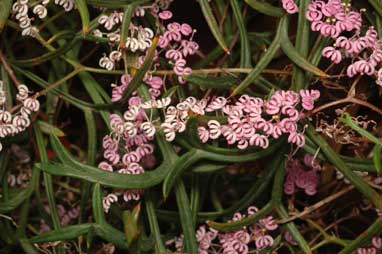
[[102, 228], [346, 119], [47, 179], [154, 226], [49, 129], [293, 230], [62, 234], [377, 5], [377, 158], [130, 223], [115, 4], [265, 8], [127, 14], [262, 63], [221, 82], [73, 168], [190, 245], [212, 23], [5, 10], [302, 45], [293, 54], [245, 50], [332, 156], [364, 238], [84, 13], [208, 167], [50, 55], [95, 92], [239, 224]]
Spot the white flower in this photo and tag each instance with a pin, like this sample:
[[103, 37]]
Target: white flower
[[66, 4], [164, 102], [108, 200], [168, 130], [22, 93], [148, 128], [215, 129], [40, 11], [106, 63], [115, 55]]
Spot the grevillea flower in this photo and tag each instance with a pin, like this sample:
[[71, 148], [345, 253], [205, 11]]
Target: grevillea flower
[[289, 6], [302, 176]]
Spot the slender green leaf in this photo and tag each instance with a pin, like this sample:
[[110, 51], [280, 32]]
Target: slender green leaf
[[190, 245], [262, 63], [212, 23], [62, 234], [332, 156], [84, 13], [50, 129], [5, 10], [293, 54], [245, 50], [265, 8], [127, 14]]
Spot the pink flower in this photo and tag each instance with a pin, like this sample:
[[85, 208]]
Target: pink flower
[[333, 54], [105, 166], [165, 15], [185, 29], [173, 32], [264, 241], [290, 6]]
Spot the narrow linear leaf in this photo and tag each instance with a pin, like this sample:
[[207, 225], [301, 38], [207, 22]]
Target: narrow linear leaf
[[302, 45], [346, 119], [332, 156], [212, 23], [262, 63], [102, 228], [265, 8], [293, 54], [84, 13], [293, 230], [5, 9], [50, 129], [364, 238], [245, 50], [377, 158], [190, 244], [239, 224], [154, 226], [127, 14], [62, 234]]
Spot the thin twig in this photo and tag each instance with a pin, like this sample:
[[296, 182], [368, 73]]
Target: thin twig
[[8, 69], [317, 205]]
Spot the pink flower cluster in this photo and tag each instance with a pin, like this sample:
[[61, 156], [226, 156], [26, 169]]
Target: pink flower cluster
[[127, 148], [365, 50], [302, 175], [251, 121], [178, 42], [237, 242], [16, 122], [376, 247], [289, 6], [333, 17], [66, 216]]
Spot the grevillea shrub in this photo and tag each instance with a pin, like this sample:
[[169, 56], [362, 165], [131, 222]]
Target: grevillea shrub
[[206, 127]]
